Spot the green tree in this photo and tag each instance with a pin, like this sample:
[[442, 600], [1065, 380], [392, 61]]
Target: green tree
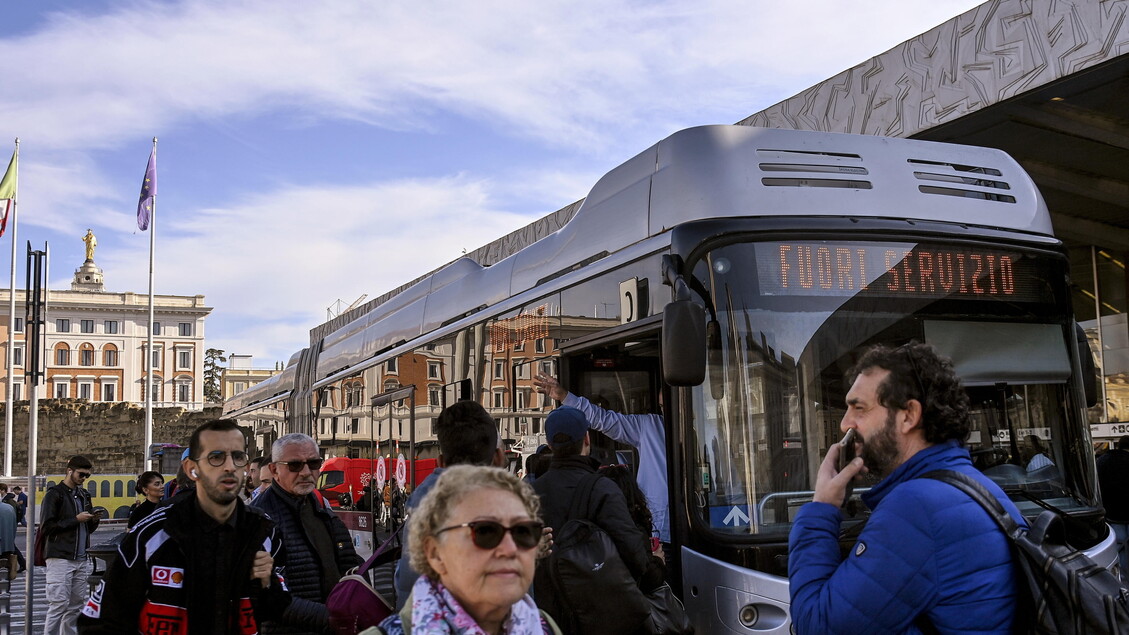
[[213, 373]]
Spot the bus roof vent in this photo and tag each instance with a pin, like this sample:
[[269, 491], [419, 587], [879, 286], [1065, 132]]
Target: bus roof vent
[[963, 181], [818, 169]]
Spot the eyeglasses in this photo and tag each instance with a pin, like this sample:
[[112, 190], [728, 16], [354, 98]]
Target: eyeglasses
[[82, 474], [217, 458], [488, 534], [296, 466]]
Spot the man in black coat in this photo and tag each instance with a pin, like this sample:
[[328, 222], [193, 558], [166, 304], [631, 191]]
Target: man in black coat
[[1113, 478], [567, 430], [67, 522], [318, 547]]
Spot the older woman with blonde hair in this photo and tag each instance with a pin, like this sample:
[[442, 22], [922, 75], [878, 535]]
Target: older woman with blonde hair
[[474, 538]]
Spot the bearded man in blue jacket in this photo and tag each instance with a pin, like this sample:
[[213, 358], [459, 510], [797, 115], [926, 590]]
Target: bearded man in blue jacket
[[930, 558]]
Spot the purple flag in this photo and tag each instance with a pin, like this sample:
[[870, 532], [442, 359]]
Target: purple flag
[[148, 192]]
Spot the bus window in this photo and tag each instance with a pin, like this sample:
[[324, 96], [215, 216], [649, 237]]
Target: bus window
[[795, 315]]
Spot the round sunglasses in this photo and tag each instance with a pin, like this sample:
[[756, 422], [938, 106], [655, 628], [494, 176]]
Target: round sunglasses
[[487, 534]]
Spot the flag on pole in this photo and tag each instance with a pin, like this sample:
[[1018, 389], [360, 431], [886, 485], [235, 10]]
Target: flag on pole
[[148, 192], [8, 192]]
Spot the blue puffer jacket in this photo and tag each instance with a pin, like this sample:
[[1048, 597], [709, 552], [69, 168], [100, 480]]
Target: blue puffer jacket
[[928, 552]]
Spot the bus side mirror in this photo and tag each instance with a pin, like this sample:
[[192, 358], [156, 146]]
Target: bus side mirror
[[684, 343]]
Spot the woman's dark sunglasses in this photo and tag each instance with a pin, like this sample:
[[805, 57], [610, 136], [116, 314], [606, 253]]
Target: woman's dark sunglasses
[[488, 534], [296, 466]]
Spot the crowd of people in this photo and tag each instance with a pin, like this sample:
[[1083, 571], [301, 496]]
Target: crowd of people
[[242, 545]]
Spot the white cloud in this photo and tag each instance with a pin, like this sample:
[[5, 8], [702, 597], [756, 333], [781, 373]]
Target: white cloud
[[281, 258], [561, 71], [592, 80]]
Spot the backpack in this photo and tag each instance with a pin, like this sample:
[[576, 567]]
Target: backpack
[[354, 604], [590, 579], [1062, 591]]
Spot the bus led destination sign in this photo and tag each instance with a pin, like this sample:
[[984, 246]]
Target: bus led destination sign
[[894, 269]]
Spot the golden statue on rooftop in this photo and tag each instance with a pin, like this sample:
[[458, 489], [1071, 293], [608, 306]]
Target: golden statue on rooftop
[[91, 243]]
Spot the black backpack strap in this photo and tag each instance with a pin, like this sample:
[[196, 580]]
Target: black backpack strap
[[980, 494], [583, 496]]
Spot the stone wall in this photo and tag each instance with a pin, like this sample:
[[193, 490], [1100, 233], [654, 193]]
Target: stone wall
[[111, 435]]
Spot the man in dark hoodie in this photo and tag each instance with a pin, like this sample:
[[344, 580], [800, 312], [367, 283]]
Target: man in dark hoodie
[[567, 431]]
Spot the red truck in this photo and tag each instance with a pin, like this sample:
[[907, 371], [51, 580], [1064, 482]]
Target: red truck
[[341, 476]]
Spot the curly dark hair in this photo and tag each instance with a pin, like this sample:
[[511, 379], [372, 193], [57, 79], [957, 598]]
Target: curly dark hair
[[918, 371]]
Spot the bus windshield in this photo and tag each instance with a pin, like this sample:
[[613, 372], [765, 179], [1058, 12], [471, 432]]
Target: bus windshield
[[791, 319]]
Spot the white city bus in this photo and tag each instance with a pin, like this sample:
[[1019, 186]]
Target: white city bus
[[734, 274]]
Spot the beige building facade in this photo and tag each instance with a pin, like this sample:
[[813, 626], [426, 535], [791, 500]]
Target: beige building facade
[[96, 348]]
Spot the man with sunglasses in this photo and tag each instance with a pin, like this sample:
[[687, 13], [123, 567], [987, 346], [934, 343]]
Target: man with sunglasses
[[318, 547], [929, 558], [201, 564], [67, 522]]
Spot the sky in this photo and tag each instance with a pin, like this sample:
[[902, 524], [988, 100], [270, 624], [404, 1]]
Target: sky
[[312, 153]]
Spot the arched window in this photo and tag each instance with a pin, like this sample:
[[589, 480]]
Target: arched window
[[118, 485], [62, 354], [106, 489], [110, 355], [86, 354]]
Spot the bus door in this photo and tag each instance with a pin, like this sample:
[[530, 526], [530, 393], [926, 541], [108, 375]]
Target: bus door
[[619, 370]]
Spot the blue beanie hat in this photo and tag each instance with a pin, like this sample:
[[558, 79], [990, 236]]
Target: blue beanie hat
[[566, 421]]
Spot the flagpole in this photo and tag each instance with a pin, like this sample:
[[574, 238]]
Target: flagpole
[[8, 403], [147, 459]]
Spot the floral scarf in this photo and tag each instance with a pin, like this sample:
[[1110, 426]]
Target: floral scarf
[[436, 612]]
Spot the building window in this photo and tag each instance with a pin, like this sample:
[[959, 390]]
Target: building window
[[17, 391], [86, 326], [18, 356], [112, 327], [240, 386], [85, 390], [86, 356], [355, 426], [184, 359], [433, 396], [110, 357], [540, 346], [19, 325], [433, 370], [156, 357], [182, 392], [499, 369], [547, 367], [391, 368], [185, 329], [62, 325], [156, 328], [108, 391], [519, 345], [499, 399], [521, 370], [156, 388], [62, 357], [62, 390], [521, 399]]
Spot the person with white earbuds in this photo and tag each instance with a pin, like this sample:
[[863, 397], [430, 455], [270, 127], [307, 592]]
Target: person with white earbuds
[[204, 563]]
